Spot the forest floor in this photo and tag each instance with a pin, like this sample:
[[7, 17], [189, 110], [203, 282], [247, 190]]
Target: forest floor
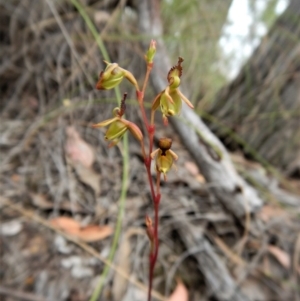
[[60, 189]]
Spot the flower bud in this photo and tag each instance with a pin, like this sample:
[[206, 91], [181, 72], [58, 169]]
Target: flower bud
[[151, 52], [150, 230], [129, 76], [134, 129], [112, 76]]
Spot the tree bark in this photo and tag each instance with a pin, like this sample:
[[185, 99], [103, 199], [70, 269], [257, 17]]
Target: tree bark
[[262, 104]]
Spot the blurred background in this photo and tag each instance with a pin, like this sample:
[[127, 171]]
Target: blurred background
[[58, 177]]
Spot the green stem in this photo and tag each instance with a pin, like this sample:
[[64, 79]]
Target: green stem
[[118, 228], [125, 156]]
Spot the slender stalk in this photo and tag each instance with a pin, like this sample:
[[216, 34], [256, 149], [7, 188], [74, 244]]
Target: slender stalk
[[140, 97], [153, 254], [152, 117], [118, 229], [143, 150], [148, 167], [97, 291], [156, 210], [149, 68], [151, 269], [151, 137], [154, 195]]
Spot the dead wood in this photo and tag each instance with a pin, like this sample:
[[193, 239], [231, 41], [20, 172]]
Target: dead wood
[[262, 103], [219, 281]]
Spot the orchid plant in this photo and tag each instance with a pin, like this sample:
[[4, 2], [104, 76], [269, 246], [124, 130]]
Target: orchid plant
[[170, 102]]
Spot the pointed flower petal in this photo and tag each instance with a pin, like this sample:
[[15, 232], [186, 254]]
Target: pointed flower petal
[[156, 101], [185, 99], [164, 162], [134, 129], [169, 108], [104, 123], [151, 52], [129, 76], [112, 76]]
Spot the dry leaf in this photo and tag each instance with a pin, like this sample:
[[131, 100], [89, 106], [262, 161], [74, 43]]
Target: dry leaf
[[81, 156], [40, 201], [200, 179], [35, 246], [120, 283], [192, 168], [15, 178], [282, 257], [134, 293], [120, 286], [253, 289], [268, 212], [180, 293], [194, 171], [101, 16], [66, 224], [266, 265], [94, 233], [88, 176], [89, 233], [77, 149]]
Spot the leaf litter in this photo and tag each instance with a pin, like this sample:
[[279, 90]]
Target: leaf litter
[[81, 156], [89, 233], [180, 293]]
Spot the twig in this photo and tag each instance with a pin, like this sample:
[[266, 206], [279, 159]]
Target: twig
[[20, 294], [69, 40], [296, 258]]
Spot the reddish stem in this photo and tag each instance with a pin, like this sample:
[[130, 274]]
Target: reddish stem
[[151, 269], [155, 196], [153, 254], [156, 207], [151, 131], [140, 97], [148, 167], [149, 68]]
